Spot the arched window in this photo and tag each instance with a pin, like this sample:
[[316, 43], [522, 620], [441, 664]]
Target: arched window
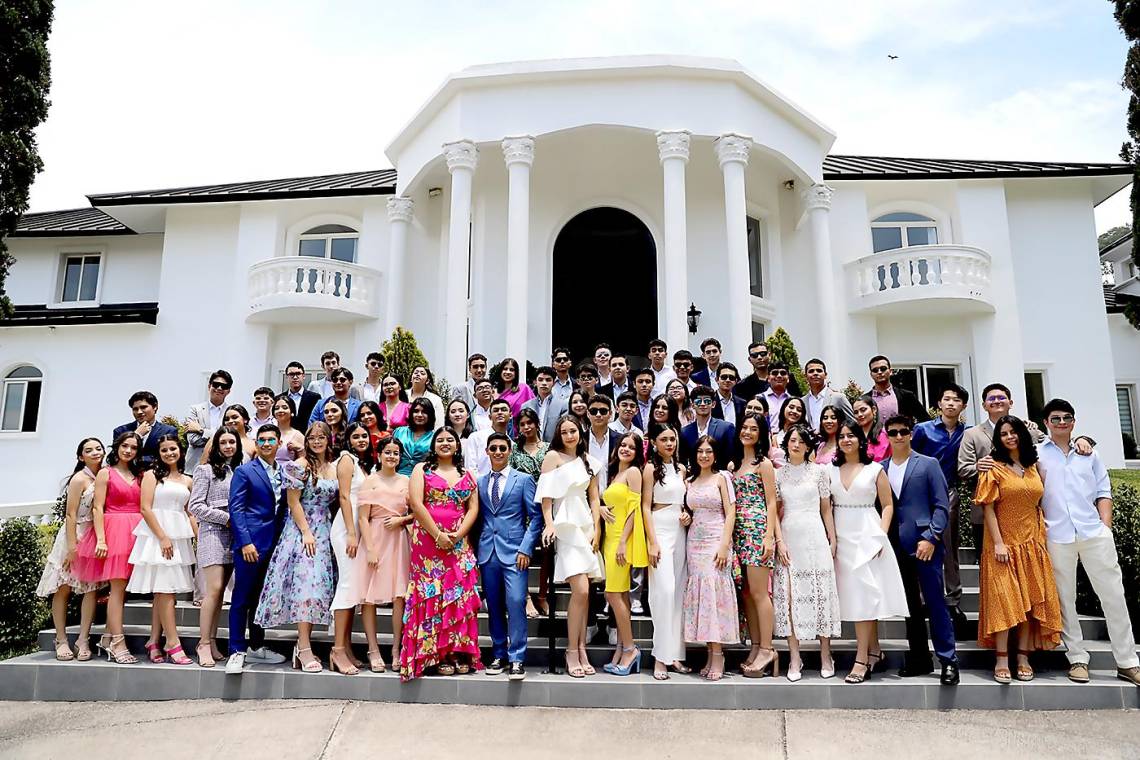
[[902, 229], [329, 241], [20, 400]]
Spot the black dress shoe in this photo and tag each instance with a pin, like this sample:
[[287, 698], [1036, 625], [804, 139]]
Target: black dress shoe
[[950, 675], [496, 667], [517, 672], [912, 669]]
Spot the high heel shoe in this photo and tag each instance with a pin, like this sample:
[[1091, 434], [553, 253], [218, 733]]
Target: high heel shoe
[[617, 669], [795, 671], [103, 644], [854, 677], [178, 656], [122, 658], [154, 652], [307, 666], [334, 666], [83, 649], [585, 660], [715, 673], [63, 651], [827, 668], [375, 661], [206, 658], [759, 671], [873, 667]]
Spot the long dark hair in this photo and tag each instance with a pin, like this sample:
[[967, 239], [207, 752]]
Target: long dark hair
[[781, 421], [217, 461], [876, 423], [372, 406], [161, 468], [638, 454], [242, 412], [584, 419], [806, 436], [431, 461], [500, 384], [531, 415], [840, 416], [678, 406], [655, 458], [1026, 451], [367, 458], [468, 427], [334, 435], [135, 465], [674, 418], [763, 441], [857, 430], [694, 468], [79, 465], [288, 401], [429, 410], [582, 449]]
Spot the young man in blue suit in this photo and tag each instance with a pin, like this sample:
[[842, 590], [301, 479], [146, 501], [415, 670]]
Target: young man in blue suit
[[921, 515], [256, 518], [723, 434], [144, 407], [506, 543]]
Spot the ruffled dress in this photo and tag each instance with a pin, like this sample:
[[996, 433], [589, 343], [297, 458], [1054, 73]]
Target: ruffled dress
[[389, 578], [153, 573], [573, 520], [54, 575], [121, 514]]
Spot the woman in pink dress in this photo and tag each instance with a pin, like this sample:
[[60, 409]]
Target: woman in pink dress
[[829, 421], [511, 387], [382, 562], [441, 627], [867, 415], [103, 553], [394, 404]]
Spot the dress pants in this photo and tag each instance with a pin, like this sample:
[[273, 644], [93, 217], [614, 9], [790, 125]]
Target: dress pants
[[667, 586], [923, 581], [1098, 556], [952, 540], [505, 588], [248, 579]]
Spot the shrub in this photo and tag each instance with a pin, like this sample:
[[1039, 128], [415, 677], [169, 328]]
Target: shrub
[[178, 425], [22, 613], [852, 391], [782, 349], [401, 355], [1126, 532]]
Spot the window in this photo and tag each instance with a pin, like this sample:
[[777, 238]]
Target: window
[[335, 242], [755, 268], [758, 330], [1124, 407], [79, 280], [1035, 397], [926, 381], [20, 401], [902, 229]]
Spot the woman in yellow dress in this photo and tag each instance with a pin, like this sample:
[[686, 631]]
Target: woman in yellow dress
[[623, 545], [1017, 587]]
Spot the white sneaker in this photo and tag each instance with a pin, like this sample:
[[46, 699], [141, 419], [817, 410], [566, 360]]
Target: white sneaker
[[264, 656], [613, 637], [235, 664], [635, 607]]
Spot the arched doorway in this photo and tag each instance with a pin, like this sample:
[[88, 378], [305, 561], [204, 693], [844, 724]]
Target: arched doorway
[[604, 284]]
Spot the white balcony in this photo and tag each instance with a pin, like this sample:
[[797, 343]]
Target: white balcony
[[922, 279], [292, 289]]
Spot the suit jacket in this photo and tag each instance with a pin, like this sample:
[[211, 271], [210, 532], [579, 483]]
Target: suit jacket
[[922, 507], [309, 401], [555, 409], [702, 377], [724, 440], [737, 402], [196, 442], [149, 453], [256, 515], [910, 405], [504, 532], [318, 413], [463, 391], [608, 389]]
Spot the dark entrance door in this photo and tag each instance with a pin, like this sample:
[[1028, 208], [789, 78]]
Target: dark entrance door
[[605, 284]]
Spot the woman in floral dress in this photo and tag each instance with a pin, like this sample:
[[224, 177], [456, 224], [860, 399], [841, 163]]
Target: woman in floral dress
[[441, 628]]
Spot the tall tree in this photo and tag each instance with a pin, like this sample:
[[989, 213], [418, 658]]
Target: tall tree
[[1127, 13], [25, 77]]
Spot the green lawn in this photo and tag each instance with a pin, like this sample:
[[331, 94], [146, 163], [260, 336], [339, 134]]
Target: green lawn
[[1131, 477]]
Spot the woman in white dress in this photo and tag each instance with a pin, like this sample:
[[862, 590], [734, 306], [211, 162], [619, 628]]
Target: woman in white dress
[[164, 552], [355, 462], [662, 496], [804, 593], [867, 574], [58, 581], [568, 490]]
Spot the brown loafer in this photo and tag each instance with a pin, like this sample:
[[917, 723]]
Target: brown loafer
[[1079, 672], [1131, 675]]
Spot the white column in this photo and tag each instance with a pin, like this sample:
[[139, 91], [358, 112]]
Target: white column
[[732, 154], [817, 207], [461, 158], [518, 152], [673, 150], [399, 216]]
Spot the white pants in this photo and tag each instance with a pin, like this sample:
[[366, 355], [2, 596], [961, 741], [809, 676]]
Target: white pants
[[1098, 556], [345, 597], [667, 586]]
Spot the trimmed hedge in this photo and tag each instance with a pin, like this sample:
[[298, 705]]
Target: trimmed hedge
[[22, 613]]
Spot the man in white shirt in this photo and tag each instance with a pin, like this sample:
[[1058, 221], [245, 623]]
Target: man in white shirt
[[778, 377], [710, 349], [1078, 525], [330, 360], [619, 377], [563, 385], [643, 389], [600, 437], [658, 352], [498, 418], [476, 371], [729, 407], [626, 410], [683, 368], [481, 411], [369, 388], [602, 356], [819, 395], [548, 408], [262, 409], [205, 418]]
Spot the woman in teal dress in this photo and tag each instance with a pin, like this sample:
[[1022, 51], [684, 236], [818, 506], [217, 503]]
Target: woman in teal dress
[[416, 436]]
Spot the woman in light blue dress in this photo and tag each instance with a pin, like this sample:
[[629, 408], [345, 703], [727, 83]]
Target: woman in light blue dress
[[416, 436]]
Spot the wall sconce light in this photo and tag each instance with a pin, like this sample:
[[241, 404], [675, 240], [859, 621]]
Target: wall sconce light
[[435, 192], [694, 318]]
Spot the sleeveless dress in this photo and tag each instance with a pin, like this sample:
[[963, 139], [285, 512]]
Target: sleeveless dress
[[415, 448], [866, 571], [710, 612], [804, 593], [573, 520], [441, 613], [347, 594], [667, 580], [1023, 589], [623, 502], [299, 588], [153, 573], [751, 520], [120, 516], [389, 579], [54, 575]]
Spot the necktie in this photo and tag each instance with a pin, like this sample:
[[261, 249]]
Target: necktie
[[495, 496]]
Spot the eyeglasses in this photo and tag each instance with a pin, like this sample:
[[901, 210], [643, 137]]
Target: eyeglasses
[[877, 370], [295, 373], [314, 438], [898, 433], [498, 449], [996, 399], [220, 386], [266, 441], [702, 401], [757, 354], [587, 376], [598, 411], [1061, 419]]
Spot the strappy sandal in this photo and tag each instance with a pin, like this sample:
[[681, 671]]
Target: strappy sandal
[[445, 669], [574, 671], [103, 645], [660, 675], [1024, 672], [462, 667], [854, 677], [873, 667], [306, 666], [1001, 675], [376, 661], [584, 659], [715, 674], [335, 667], [679, 667], [83, 649], [532, 612], [122, 658], [63, 651], [154, 652], [760, 671], [178, 656]]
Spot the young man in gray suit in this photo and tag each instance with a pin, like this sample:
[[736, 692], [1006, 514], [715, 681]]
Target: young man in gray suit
[[206, 417], [548, 407]]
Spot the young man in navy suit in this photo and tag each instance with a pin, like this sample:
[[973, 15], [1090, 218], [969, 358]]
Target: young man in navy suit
[[722, 433], [144, 407], [921, 515], [506, 544], [256, 518]]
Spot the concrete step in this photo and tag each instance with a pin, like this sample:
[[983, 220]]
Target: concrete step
[[39, 676]]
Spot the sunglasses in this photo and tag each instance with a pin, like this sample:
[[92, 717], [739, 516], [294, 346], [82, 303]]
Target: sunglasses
[[757, 354], [683, 365], [220, 386], [587, 376], [1061, 419], [498, 449], [598, 411], [898, 433], [778, 372], [266, 441], [561, 359], [727, 379], [877, 370]]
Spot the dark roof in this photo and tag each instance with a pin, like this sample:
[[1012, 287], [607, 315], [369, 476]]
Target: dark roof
[[39, 315], [883, 167], [382, 182], [1110, 245], [71, 223]]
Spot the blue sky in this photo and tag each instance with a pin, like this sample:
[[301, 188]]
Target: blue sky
[[155, 94]]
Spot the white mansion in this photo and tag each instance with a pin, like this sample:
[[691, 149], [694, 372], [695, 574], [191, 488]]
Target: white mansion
[[569, 202]]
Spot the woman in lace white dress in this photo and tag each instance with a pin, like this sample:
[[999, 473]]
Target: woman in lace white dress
[[164, 551], [568, 490], [355, 462], [58, 581], [866, 571], [804, 593]]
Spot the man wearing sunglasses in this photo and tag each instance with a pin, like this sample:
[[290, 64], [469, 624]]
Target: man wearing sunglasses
[[723, 434], [206, 417], [892, 400], [1078, 525], [757, 382], [341, 389], [510, 522]]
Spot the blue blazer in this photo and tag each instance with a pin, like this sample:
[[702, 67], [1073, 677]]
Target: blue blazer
[[922, 509], [318, 413], [724, 440], [256, 516], [149, 453], [503, 532], [737, 403]]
